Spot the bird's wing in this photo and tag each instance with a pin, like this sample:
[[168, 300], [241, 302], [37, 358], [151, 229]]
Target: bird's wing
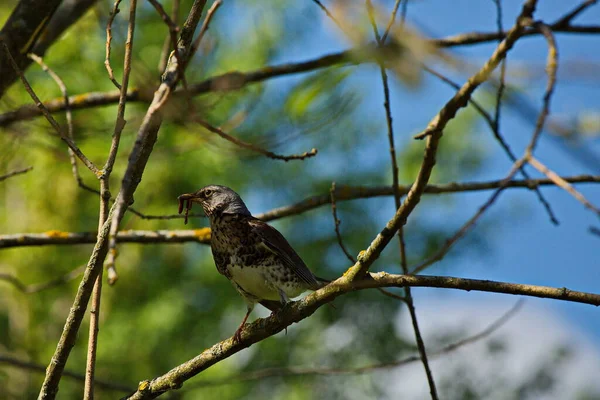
[[276, 243]]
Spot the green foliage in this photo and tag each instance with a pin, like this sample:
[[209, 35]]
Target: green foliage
[[170, 303]]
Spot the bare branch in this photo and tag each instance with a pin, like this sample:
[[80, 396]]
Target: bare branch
[[111, 18], [560, 182], [236, 80], [209, 15], [202, 235], [299, 310], [38, 287], [69, 335], [336, 223], [35, 367], [252, 147], [434, 134], [69, 238], [14, 173], [551, 68], [63, 89], [470, 223], [518, 165], [397, 201], [116, 138], [49, 116], [328, 13], [164, 57], [393, 18], [493, 123], [563, 25]]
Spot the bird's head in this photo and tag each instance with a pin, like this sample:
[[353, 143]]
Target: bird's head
[[215, 200]]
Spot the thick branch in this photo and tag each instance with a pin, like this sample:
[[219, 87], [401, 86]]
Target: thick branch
[[20, 33], [299, 310]]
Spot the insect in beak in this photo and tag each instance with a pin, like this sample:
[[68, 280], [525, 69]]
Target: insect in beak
[[187, 199]]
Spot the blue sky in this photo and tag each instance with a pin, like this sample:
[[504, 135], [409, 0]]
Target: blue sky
[[526, 248]]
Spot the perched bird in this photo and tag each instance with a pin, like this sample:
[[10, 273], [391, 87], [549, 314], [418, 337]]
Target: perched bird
[[254, 256]]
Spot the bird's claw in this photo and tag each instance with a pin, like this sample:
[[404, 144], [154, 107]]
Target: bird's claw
[[237, 336]]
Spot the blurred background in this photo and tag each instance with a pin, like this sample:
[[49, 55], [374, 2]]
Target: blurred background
[[170, 303]]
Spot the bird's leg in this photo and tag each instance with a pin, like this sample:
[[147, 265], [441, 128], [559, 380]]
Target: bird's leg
[[237, 336], [283, 298], [284, 301]]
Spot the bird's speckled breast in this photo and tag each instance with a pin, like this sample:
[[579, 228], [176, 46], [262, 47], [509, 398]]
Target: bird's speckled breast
[[241, 256]]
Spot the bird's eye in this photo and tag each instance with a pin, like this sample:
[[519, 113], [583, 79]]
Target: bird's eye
[[207, 192]]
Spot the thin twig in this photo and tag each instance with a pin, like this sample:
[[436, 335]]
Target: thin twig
[[35, 367], [433, 133], [116, 138], [209, 15], [164, 56], [336, 223], [393, 18], [111, 18], [329, 14], [173, 28], [69, 114], [496, 121], [438, 255], [560, 182], [495, 129], [338, 234], [14, 173], [566, 20], [104, 210], [49, 116], [173, 31], [397, 201], [551, 71], [38, 287], [163, 217], [252, 147]]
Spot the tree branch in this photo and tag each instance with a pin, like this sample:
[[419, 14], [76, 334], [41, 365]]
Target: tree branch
[[433, 133], [14, 173], [38, 287], [20, 33], [408, 299], [299, 310], [342, 193], [100, 384]]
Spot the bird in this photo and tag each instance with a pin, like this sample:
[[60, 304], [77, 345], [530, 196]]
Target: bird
[[255, 257]]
